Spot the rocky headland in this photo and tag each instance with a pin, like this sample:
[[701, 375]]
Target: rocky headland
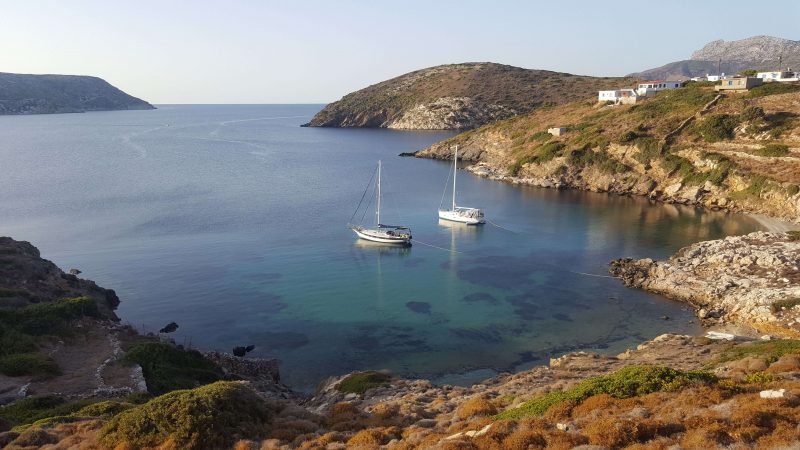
[[456, 97], [751, 280], [52, 94], [687, 146]]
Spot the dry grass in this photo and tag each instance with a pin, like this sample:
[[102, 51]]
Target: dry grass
[[476, 406]]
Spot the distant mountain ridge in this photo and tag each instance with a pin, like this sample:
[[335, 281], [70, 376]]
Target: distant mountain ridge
[[52, 94], [757, 52], [458, 97]]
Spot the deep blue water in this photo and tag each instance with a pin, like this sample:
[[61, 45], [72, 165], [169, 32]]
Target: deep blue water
[[230, 221]]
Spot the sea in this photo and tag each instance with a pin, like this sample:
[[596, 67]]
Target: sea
[[231, 220]]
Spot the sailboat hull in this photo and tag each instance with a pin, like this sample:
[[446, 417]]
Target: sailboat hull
[[456, 216], [381, 237]]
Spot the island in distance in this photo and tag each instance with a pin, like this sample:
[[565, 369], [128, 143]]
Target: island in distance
[[53, 94]]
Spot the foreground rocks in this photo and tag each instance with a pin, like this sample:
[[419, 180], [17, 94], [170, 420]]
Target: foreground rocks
[[749, 280]]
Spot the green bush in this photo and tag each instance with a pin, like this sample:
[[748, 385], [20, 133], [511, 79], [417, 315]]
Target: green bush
[[539, 136], [49, 318], [793, 235], [13, 341], [780, 305], [773, 150], [793, 189], [772, 89], [166, 367], [752, 113], [717, 127], [628, 137], [32, 409], [625, 383], [758, 184], [6, 293], [210, 417], [20, 364], [649, 149], [359, 383], [748, 72]]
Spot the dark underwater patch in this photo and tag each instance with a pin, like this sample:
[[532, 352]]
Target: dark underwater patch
[[419, 307], [476, 297]]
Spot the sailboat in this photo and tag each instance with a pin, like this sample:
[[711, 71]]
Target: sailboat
[[463, 214], [384, 234]]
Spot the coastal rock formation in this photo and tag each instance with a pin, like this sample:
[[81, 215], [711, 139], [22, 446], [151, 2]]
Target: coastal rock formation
[[457, 97], [731, 57], [26, 278], [751, 280], [51, 94]]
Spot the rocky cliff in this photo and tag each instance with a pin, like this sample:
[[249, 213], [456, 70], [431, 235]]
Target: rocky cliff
[[757, 52], [751, 280], [50, 94], [457, 96], [684, 146]]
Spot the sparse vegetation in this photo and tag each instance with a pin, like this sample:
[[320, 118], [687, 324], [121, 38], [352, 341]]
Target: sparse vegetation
[[361, 382], [20, 328], [769, 351], [793, 235], [773, 150], [773, 89], [624, 383], [167, 367], [32, 409], [716, 127]]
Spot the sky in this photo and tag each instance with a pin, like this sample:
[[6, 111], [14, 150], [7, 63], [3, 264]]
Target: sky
[[310, 51]]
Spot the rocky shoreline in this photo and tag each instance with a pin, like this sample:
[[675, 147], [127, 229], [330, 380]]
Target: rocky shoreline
[[750, 280]]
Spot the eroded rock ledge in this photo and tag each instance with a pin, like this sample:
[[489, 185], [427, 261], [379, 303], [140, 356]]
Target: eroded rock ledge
[[747, 280]]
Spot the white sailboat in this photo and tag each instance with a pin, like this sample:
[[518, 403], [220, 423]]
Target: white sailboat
[[384, 234], [463, 214]]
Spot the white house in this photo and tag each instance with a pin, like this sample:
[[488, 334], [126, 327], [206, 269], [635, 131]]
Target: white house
[[780, 75], [651, 87], [617, 96], [716, 78]]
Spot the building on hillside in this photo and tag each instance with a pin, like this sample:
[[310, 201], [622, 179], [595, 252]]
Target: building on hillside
[[716, 78], [738, 84], [618, 96], [557, 131], [651, 87], [779, 75]]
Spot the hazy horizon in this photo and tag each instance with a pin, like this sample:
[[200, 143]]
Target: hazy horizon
[[313, 53]]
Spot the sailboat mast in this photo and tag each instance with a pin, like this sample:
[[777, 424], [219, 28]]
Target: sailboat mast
[[455, 160], [378, 209]]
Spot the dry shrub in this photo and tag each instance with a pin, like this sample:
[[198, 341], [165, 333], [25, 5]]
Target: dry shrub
[[560, 440], [785, 435], [373, 437], [342, 412], [593, 403], [288, 430], [385, 410], [524, 440], [476, 406], [786, 364], [245, 445], [457, 445], [322, 441], [560, 411], [713, 434], [611, 432]]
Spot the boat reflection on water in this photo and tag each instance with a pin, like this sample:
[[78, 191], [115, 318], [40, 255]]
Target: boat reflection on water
[[383, 249]]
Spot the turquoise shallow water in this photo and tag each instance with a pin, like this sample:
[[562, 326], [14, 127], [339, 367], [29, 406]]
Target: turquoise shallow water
[[230, 221]]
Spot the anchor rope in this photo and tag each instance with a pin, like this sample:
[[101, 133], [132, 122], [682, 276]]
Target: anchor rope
[[434, 246]]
